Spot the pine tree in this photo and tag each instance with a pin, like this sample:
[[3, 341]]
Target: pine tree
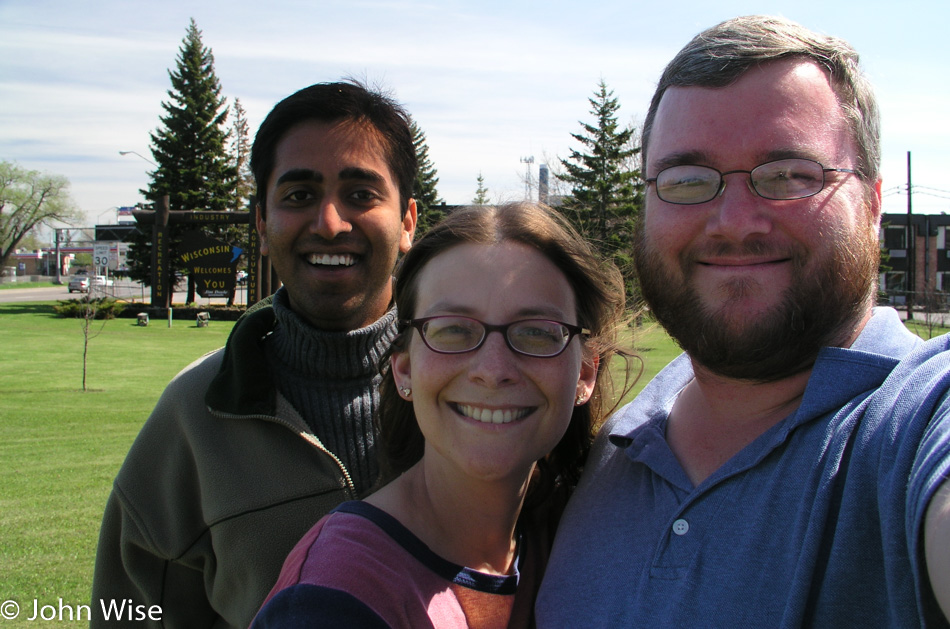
[[194, 169], [424, 190], [481, 194], [606, 186]]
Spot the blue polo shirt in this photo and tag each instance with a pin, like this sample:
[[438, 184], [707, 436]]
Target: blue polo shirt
[[816, 523]]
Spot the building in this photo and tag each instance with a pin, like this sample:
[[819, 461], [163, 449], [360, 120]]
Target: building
[[42, 262], [927, 280]]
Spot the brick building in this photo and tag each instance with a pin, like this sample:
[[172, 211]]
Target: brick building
[[929, 277]]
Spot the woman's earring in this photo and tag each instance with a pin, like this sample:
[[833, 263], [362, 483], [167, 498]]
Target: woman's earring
[[581, 398], [406, 392]]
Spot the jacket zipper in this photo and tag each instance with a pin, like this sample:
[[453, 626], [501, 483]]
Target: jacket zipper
[[309, 437]]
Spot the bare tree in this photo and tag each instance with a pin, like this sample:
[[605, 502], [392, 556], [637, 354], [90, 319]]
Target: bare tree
[[88, 308], [934, 304], [557, 189], [240, 147]]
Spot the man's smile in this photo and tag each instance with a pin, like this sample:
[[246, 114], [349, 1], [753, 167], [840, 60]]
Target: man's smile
[[327, 259]]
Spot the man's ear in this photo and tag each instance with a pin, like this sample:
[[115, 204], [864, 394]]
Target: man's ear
[[262, 229], [876, 202], [408, 227]]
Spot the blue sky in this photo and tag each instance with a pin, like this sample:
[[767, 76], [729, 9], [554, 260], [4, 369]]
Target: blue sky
[[490, 82]]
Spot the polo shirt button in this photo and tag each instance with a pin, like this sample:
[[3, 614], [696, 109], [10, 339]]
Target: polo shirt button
[[681, 527]]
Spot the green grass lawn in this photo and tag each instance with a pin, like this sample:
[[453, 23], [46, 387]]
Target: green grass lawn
[[652, 350], [925, 326], [655, 349], [61, 447]]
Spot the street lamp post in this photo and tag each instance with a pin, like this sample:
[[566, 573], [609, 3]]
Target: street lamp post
[[99, 218], [123, 153]]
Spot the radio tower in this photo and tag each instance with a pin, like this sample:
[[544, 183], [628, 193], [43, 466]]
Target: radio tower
[[527, 161]]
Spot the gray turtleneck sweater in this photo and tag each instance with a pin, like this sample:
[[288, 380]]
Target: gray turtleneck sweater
[[332, 379]]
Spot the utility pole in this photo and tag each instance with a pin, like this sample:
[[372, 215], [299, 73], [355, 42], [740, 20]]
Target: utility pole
[[59, 264], [911, 249]]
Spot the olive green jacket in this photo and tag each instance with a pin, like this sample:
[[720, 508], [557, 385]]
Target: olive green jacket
[[223, 480]]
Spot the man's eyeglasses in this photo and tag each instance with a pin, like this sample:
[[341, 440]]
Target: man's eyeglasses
[[452, 334], [781, 180]]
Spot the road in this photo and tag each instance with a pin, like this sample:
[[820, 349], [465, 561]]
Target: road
[[126, 291], [10, 295]]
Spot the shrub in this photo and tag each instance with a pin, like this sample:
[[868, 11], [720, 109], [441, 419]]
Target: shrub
[[104, 307]]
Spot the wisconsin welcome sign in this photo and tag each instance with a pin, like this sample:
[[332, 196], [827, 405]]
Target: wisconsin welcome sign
[[211, 263]]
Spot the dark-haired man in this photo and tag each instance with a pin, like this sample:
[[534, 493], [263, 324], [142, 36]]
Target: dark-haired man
[[789, 470], [251, 444]]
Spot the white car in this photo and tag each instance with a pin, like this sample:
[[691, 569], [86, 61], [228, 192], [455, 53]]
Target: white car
[[102, 280], [79, 283]]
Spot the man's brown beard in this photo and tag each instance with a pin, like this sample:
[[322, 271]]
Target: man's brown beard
[[822, 307]]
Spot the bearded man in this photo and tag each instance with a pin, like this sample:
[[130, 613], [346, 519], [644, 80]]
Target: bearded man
[[789, 469]]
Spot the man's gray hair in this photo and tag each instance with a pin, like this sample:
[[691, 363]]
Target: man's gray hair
[[719, 56]]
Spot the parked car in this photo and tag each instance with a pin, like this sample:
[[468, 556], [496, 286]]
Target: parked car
[[241, 278], [79, 283], [102, 280]]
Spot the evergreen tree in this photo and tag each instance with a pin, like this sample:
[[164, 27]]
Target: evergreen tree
[[424, 190], [194, 168], [606, 185], [481, 194]]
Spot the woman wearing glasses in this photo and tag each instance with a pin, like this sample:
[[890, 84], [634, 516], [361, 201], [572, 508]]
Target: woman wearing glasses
[[494, 386]]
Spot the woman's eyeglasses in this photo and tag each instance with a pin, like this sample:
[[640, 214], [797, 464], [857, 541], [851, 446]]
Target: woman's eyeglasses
[[452, 334]]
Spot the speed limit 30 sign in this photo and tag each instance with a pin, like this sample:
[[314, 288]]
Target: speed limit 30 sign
[[100, 255]]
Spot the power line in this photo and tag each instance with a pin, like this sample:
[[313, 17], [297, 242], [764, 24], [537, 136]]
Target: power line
[[925, 190], [932, 190]]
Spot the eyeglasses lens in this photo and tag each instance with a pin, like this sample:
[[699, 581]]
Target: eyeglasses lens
[[687, 185], [538, 337], [453, 334], [788, 179]]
